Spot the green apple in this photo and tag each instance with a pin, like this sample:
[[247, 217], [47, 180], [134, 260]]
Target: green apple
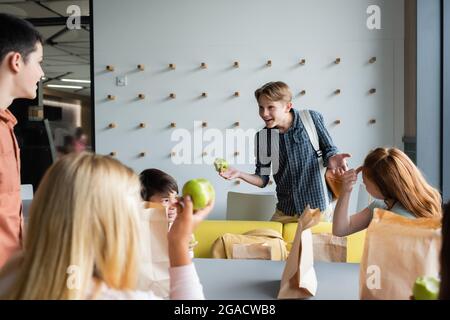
[[201, 192], [426, 288], [220, 164], [209, 187]]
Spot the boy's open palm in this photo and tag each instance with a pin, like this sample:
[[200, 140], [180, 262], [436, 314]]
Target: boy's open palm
[[230, 174]]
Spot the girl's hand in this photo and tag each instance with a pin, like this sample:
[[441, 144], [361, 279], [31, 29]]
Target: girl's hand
[[230, 174], [187, 221], [349, 179]]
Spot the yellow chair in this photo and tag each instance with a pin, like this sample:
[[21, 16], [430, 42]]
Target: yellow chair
[[209, 230]]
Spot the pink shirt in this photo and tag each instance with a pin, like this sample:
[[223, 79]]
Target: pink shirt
[[184, 284], [11, 222]]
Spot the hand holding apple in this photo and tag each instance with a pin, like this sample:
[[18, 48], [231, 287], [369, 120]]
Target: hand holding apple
[[186, 221], [230, 174], [180, 234], [201, 192]]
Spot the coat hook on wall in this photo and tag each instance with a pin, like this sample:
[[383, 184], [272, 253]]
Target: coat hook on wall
[[336, 122], [372, 121], [141, 67], [113, 153], [373, 60], [172, 154], [204, 154], [302, 62], [142, 154], [237, 93], [204, 124], [141, 96], [142, 125], [204, 94], [111, 97], [172, 66], [269, 63], [237, 182], [237, 124], [372, 91], [236, 64], [337, 91], [236, 153], [173, 125], [203, 65], [303, 92], [109, 68], [337, 61], [172, 96], [112, 125]]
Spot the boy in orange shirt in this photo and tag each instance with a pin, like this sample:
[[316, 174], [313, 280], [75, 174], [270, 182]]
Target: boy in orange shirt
[[20, 71]]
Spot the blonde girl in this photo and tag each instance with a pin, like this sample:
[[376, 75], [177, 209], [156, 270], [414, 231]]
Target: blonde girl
[[83, 240]]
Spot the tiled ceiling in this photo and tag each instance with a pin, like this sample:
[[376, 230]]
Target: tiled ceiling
[[69, 55]]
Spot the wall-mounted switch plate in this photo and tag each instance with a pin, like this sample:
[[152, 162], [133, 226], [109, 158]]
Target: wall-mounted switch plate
[[121, 81]]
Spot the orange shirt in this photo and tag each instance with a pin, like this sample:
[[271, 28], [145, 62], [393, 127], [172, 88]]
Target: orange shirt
[[11, 222]]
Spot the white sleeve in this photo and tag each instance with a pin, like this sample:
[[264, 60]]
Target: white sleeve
[[185, 284]]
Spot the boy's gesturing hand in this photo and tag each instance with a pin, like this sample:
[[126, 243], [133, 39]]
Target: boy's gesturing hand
[[230, 174], [349, 179], [337, 163]]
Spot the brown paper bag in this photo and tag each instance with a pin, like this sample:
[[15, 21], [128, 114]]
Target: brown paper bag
[[299, 279], [329, 248], [261, 251], [154, 253], [251, 243], [397, 250], [334, 183]]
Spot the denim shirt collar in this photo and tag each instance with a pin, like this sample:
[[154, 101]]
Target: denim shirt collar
[[297, 127]]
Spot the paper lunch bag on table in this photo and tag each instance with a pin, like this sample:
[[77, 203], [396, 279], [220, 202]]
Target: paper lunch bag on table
[[397, 250], [154, 250], [299, 279], [329, 248], [264, 244]]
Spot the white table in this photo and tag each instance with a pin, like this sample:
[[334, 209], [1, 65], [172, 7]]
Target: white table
[[260, 279]]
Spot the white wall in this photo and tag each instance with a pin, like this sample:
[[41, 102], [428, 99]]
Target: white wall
[[156, 33]]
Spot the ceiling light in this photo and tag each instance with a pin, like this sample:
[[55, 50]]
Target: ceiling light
[[76, 80], [63, 86]]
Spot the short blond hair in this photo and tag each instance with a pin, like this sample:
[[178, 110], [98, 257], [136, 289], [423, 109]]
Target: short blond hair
[[274, 91]]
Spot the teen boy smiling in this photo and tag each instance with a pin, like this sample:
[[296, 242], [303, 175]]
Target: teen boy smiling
[[296, 173]]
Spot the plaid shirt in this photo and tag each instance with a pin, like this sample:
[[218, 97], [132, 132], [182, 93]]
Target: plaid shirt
[[296, 170]]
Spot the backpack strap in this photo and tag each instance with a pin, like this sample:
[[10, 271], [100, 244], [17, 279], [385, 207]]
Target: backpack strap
[[310, 127]]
